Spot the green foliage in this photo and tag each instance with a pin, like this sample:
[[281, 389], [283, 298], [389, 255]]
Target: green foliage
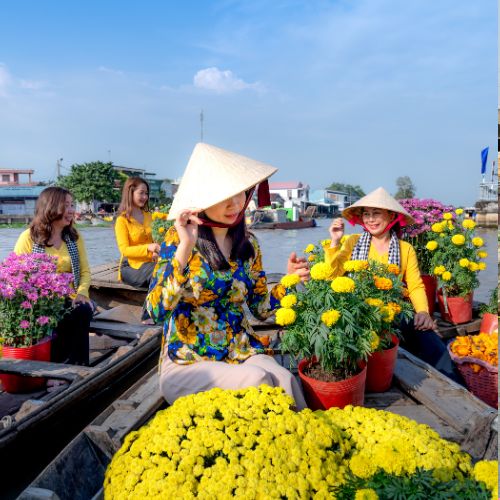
[[406, 188], [422, 485], [92, 181], [492, 305], [160, 223], [347, 188]]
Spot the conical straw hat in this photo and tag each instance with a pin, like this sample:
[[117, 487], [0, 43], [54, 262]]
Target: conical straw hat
[[213, 175], [379, 198]]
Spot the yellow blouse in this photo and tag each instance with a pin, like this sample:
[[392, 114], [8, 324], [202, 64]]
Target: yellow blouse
[[24, 245], [338, 255], [133, 239]]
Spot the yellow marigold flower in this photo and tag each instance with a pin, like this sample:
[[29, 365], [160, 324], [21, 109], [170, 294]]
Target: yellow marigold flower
[[446, 276], [431, 245], [437, 227], [383, 283], [450, 225], [482, 254], [447, 216], [438, 270], [468, 224], [290, 280], [458, 239], [309, 248], [311, 258], [343, 284], [394, 306], [473, 266], [477, 241], [285, 316], [387, 314], [393, 269], [459, 211], [366, 494], [330, 317], [482, 266], [288, 300], [374, 302], [326, 243], [355, 265], [375, 341], [464, 262], [161, 230], [321, 271], [154, 216]]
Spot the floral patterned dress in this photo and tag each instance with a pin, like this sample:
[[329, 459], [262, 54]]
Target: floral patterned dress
[[203, 309]]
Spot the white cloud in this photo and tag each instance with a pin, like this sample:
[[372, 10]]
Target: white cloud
[[31, 84], [105, 69], [5, 79], [222, 81]]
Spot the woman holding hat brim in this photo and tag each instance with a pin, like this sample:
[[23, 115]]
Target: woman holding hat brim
[[382, 216], [209, 268]]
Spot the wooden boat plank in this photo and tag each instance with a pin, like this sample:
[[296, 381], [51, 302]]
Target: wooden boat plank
[[447, 330], [383, 400], [119, 330], [450, 401], [30, 368]]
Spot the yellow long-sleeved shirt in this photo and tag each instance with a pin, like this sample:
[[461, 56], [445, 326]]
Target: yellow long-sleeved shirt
[[133, 239], [24, 245], [338, 255]]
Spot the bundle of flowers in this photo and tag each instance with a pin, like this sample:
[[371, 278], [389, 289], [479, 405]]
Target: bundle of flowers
[[456, 254], [426, 213], [473, 348], [250, 443], [33, 298], [160, 223]]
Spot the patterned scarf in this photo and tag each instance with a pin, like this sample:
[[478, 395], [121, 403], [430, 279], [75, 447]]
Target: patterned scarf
[[362, 248], [73, 253]]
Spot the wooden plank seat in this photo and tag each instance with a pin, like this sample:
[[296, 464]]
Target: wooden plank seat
[[120, 330], [30, 368], [106, 276]]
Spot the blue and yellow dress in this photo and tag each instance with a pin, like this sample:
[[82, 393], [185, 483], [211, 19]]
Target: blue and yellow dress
[[203, 309]]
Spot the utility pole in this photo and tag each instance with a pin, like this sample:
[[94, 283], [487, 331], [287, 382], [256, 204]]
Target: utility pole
[[201, 126], [59, 166]]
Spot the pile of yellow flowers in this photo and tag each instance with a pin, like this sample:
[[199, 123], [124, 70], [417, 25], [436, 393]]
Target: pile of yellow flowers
[[249, 443], [483, 347], [160, 223]]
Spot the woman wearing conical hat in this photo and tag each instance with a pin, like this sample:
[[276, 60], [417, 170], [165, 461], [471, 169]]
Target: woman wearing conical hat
[[381, 217], [209, 268]]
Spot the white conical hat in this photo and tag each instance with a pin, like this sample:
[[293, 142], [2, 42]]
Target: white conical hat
[[379, 198], [213, 175]]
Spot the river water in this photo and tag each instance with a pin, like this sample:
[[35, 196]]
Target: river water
[[276, 245]]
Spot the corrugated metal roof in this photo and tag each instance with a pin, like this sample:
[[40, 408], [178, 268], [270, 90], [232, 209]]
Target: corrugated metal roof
[[21, 191], [288, 185]]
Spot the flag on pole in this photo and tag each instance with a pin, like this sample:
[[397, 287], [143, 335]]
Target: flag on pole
[[484, 159]]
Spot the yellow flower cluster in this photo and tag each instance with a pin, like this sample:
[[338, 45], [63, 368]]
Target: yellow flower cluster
[[330, 317], [459, 211], [393, 269], [321, 271], [468, 224], [355, 265], [446, 276], [159, 216], [477, 241], [447, 216], [375, 341], [439, 270], [309, 248], [458, 239], [326, 243], [249, 443], [487, 472], [482, 254], [483, 346], [374, 302], [432, 245], [290, 280], [366, 494], [288, 300], [343, 284], [437, 227], [285, 316], [383, 283]]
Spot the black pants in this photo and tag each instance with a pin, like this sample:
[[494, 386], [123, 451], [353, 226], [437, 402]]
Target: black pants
[[71, 343], [431, 348], [138, 278]]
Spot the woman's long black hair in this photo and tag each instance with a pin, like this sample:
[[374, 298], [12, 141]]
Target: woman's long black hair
[[241, 248]]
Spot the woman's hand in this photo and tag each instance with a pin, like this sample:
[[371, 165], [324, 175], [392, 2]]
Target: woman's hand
[[423, 321], [80, 299], [154, 248], [186, 224], [336, 231], [298, 265]]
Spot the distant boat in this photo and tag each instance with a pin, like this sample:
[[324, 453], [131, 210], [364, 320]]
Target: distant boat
[[298, 224]]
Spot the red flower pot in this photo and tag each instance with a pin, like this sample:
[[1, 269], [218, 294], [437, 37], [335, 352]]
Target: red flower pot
[[36, 352], [430, 283], [489, 323], [323, 395], [459, 308], [380, 368]]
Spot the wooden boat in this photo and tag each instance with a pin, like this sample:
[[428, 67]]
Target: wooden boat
[[299, 224], [419, 392], [35, 426]]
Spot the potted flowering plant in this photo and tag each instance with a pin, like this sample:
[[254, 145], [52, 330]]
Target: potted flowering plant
[[425, 212], [456, 261], [331, 327], [33, 302], [160, 223]]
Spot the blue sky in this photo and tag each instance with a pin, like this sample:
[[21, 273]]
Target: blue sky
[[358, 91]]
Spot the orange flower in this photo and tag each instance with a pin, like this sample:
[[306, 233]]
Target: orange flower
[[383, 283], [393, 269]]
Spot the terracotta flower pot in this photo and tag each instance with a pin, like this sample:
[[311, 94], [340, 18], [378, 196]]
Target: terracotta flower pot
[[430, 283], [459, 308], [489, 323], [380, 368], [36, 352], [323, 395]]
